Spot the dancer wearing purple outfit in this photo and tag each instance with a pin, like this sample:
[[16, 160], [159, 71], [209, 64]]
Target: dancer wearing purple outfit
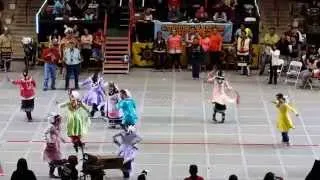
[[95, 95], [52, 152]]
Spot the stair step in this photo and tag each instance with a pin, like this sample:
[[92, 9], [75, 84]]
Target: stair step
[[116, 47], [117, 43], [113, 57], [114, 62], [115, 71], [115, 66], [116, 52], [124, 25], [117, 38]]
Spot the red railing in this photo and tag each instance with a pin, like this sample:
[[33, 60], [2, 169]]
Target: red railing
[[131, 23], [105, 30], [277, 9]]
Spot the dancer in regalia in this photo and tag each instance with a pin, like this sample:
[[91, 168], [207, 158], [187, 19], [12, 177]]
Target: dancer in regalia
[[128, 106], [95, 95], [52, 152], [27, 92], [284, 122], [127, 141], [113, 114], [222, 94], [78, 121]]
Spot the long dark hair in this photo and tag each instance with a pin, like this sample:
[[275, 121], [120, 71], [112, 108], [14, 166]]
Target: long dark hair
[[95, 77], [193, 170], [22, 166]]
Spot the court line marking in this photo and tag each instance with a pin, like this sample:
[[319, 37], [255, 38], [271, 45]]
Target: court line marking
[[305, 129], [183, 154], [177, 143], [205, 132], [177, 134], [173, 97], [243, 157], [273, 133]]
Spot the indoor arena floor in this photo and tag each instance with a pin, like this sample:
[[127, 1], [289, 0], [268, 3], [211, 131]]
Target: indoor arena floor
[[176, 126]]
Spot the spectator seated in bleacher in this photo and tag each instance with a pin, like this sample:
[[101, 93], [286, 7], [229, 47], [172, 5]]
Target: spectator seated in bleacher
[[174, 14], [311, 66], [57, 8], [313, 13], [174, 3], [201, 14], [283, 46], [89, 15], [220, 9], [148, 15], [220, 17]]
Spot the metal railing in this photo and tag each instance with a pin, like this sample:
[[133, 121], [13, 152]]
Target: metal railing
[[105, 32], [131, 24], [38, 14]]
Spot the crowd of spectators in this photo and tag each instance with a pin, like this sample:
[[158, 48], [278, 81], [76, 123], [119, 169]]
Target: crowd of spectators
[[195, 11], [293, 46], [74, 10]]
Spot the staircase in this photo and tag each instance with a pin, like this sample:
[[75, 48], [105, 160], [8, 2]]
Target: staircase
[[23, 24], [269, 15], [115, 50], [124, 18]]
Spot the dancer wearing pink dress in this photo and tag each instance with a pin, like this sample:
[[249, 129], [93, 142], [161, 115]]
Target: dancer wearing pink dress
[[222, 94], [52, 152]]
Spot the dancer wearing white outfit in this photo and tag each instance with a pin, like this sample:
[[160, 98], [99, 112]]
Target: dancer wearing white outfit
[[222, 94]]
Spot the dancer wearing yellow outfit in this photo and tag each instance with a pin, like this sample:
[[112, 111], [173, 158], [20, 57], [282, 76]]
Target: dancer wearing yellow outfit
[[284, 122]]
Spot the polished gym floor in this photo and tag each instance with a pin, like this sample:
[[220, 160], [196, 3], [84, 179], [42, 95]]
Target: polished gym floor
[[176, 126]]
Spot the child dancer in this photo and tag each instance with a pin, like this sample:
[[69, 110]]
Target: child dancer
[[27, 92], [127, 141], [95, 95], [113, 114], [220, 94], [128, 107], [284, 122], [78, 121], [52, 152]]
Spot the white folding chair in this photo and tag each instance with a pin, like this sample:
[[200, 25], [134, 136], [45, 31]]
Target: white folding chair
[[280, 68], [293, 72]]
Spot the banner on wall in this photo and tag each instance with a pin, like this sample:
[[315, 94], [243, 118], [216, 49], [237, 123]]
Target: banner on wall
[[202, 28], [142, 54]]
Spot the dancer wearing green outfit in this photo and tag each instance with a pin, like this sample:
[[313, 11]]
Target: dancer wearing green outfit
[[78, 121]]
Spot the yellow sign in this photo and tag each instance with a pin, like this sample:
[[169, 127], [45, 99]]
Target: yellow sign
[[142, 54]]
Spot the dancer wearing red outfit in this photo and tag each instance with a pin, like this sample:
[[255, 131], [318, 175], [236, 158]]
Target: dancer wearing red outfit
[[27, 92]]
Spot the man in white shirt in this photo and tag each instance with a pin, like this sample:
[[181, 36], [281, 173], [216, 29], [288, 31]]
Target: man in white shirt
[[72, 59], [275, 62]]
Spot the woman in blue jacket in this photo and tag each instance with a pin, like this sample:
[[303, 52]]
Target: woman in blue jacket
[[128, 107]]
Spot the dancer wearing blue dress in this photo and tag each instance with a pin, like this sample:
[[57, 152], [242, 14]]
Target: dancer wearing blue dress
[[128, 107], [96, 94]]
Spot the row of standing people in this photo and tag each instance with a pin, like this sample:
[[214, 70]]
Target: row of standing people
[[198, 49]]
